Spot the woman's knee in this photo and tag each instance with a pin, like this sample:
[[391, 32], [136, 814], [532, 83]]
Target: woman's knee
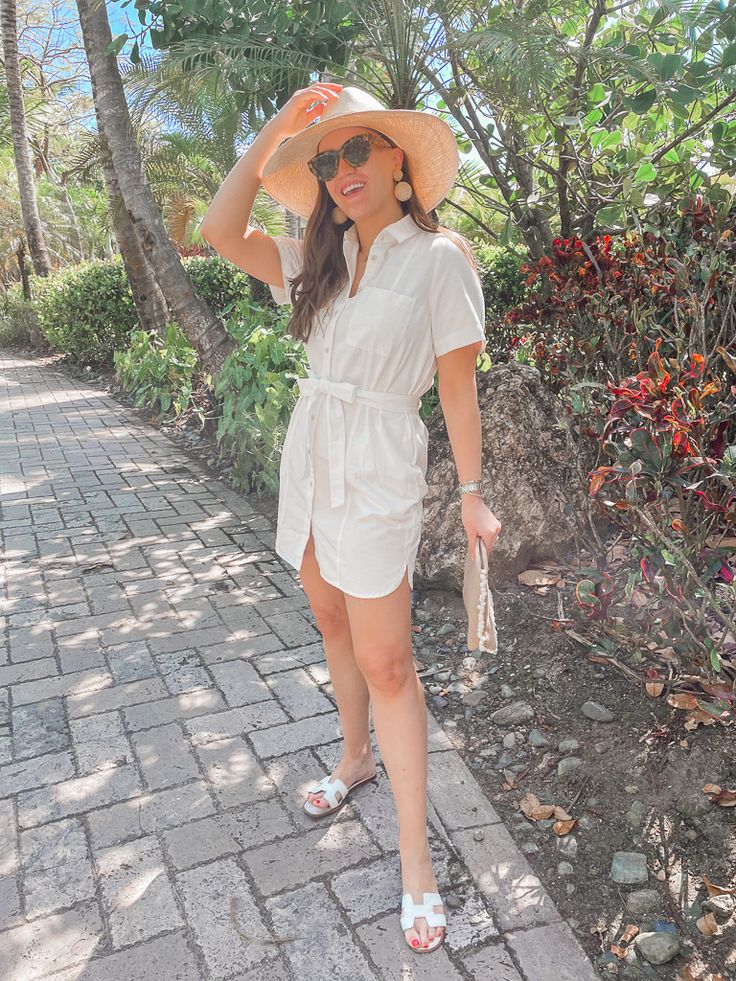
[[331, 618], [386, 668]]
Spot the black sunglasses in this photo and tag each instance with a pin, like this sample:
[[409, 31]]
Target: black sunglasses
[[356, 151]]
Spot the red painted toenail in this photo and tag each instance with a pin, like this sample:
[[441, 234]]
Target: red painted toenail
[[415, 943]]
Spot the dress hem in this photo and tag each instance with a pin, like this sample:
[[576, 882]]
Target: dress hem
[[341, 588]]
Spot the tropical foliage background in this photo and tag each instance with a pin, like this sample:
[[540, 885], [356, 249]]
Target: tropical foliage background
[[597, 183]]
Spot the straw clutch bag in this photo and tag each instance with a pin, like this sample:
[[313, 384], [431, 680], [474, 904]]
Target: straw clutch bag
[[478, 600]]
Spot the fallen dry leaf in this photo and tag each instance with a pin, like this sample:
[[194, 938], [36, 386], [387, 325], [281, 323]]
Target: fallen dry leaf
[[714, 890], [534, 809], [699, 718], [682, 700], [707, 924], [563, 827], [726, 798], [540, 577]]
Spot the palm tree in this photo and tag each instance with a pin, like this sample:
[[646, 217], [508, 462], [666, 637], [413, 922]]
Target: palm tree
[[200, 325], [23, 162]]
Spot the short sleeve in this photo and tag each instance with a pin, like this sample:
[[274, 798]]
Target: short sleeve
[[457, 305], [291, 251]]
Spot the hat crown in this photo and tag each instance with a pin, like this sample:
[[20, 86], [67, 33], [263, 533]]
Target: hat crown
[[350, 99]]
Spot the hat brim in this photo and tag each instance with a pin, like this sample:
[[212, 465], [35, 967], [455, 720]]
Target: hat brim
[[428, 142]]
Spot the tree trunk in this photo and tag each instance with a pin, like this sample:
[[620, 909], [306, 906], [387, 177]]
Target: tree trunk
[[150, 304], [202, 328], [21, 149]]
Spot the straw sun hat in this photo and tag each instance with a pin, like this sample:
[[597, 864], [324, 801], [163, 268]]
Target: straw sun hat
[[428, 141]]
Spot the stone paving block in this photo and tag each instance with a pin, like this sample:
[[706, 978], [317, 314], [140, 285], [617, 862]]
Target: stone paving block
[[310, 855], [165, 756], [39, 728], [6, 750], [281, 739], [77, 685], [249, 648], [81, 659], [182, 671], [10, 904], [245, 620], [324, 942], [149, 813], [514, 893], [239, 682], [220, 907], [53, 768], [186, 706], [234, 774], [236, 721], [30, 645], [57, 867], [138, 897], [493, 961], [114, 697], [283, 660], [100, 742], [394, 959], [551, 951], [201, 841], [297, 693], [277, 971], [51, 943], [13, 674], [169, 958], [293, 628], [131, 662], [165, 641], [438, 738], [76, 796], [367, 890], [455, 793]]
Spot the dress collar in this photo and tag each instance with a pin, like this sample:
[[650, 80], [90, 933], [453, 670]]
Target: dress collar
[[397, 231]]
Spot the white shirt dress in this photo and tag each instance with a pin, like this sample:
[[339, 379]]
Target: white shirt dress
[[354, 457]]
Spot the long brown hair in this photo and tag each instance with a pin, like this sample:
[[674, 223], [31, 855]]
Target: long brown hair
[[325, 272]]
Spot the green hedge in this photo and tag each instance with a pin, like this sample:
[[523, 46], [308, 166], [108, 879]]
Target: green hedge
[[87, 310]]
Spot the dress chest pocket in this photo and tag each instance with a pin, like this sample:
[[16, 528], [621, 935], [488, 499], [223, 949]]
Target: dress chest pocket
[[378, 320]]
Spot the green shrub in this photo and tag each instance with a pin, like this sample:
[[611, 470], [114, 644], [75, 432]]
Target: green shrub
[[504, 287], [18, 319], [257, 387], [218, 282], [158, 372], [87, 311]]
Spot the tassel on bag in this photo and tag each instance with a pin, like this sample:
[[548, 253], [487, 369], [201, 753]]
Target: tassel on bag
[[479, 601]]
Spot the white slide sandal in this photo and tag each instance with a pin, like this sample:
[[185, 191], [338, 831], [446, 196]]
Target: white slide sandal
[[330, 790], [411, 910]]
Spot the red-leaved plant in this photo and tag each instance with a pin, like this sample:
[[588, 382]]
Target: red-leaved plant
[[670, 435]]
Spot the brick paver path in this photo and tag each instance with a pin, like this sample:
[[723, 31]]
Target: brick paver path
[[164, 703]]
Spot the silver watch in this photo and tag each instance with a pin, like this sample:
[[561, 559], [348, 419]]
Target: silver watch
[[470, 486]]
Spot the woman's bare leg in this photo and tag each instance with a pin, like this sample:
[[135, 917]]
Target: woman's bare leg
[[351, 691], [381, 630]]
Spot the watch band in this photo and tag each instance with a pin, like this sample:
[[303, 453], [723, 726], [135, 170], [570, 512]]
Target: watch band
[[470, 486]]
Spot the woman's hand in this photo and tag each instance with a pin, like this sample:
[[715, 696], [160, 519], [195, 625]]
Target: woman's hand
[[304, 104], [479, 521]]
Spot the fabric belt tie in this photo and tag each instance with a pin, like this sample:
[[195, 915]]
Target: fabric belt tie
[[336, 393]]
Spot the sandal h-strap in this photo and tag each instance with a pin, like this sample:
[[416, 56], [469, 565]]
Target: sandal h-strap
[[330, 790], [411, 910]]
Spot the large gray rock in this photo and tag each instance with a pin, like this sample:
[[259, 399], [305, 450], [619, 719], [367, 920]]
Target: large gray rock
[[527, 468]]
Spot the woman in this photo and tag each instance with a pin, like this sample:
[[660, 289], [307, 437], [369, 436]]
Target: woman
[[382, 299]]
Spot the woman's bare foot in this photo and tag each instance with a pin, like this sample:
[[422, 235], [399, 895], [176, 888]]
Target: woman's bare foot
[[417, 878], [349, 771]]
